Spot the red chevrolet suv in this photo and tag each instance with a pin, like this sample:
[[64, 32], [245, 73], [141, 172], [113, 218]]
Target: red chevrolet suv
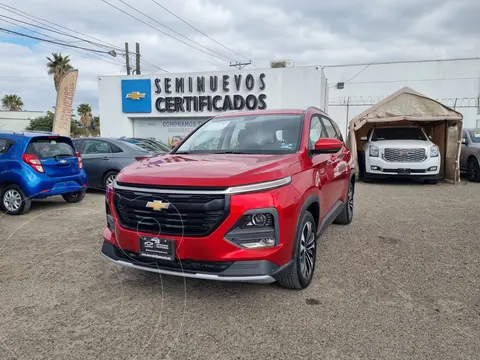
[[242, 198]]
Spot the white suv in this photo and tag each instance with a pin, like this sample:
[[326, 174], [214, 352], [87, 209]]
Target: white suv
[[400, 151]]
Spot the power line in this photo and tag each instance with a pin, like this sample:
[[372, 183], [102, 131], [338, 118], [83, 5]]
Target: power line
[[111, 61], [56, 42], [54, 31], [201, 32], [162, 32], [40, 20], [176, 32], [46, 22]]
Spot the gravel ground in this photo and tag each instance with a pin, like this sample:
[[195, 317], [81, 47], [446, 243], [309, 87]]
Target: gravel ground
[[401, 282]]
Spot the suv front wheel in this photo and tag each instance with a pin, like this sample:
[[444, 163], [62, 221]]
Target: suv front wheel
[[303, 266]]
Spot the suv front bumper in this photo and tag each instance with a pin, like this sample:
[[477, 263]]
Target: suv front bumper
[[255, 271], [377, 167]]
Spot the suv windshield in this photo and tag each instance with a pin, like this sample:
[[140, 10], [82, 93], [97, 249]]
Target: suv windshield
[[475, 135], [45, 148], [248, 134], [407, 133]]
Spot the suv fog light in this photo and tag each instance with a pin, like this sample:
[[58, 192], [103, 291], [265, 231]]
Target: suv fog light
[[265, 242], [259, 219], [374, 167], [432, 168], [255, 229]]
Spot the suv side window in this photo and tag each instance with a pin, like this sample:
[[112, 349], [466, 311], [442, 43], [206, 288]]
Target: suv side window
[[115, 148], [4, 146], [316, 131], [96, 147], [330, 129]]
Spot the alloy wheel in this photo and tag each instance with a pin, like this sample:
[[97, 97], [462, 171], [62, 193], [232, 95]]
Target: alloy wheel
[[12, 200], [307, 250], [110, 179], [350, 201], [471, 172]]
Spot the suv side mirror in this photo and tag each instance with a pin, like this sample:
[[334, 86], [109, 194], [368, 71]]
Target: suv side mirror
[[363, 138], [430, 137], [464, 141], [327, 146]]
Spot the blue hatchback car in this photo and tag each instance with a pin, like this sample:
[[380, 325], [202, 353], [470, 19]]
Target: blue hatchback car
[[36, 165]]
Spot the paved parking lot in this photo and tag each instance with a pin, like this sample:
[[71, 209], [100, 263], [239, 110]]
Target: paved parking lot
[[402, 282]]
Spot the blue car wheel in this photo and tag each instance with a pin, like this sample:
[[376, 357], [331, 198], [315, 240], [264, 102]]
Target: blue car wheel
[[14, 201]]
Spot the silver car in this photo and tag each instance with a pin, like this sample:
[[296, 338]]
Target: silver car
[[470, 154], [103, 158]]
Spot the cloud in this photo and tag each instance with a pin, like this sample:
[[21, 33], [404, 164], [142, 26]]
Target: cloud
[[309, 32]]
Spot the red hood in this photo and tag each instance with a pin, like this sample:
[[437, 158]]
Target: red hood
[[208, 169]]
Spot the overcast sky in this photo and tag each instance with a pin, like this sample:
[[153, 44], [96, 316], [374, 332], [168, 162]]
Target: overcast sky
[[307, 31]]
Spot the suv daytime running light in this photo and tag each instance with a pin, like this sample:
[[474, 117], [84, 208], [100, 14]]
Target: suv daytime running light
[[241, 189], [259, 186]]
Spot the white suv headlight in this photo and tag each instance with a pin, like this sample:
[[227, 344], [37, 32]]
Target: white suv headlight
[[434, 151], [374, 151]]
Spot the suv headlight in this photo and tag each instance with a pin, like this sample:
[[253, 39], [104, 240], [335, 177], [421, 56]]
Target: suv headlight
[[374, 151], [434, 151], [255, 229]]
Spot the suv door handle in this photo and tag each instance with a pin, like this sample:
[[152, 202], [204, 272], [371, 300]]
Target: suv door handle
[[106, 158]]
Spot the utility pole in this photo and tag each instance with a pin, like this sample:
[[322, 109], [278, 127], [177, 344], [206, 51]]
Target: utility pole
[[127, 58], [241, 65], [137, 58]]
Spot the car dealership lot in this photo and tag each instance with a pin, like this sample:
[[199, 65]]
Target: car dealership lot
[[402, 281]]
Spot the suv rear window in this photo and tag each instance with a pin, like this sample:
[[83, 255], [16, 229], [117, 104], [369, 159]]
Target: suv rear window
[[46, 148]]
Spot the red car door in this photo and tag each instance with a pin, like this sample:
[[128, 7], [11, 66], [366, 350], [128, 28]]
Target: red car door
[[339, 162], [322, 167]]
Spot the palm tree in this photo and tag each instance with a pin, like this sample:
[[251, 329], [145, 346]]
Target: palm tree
[[57, 66], [85, 113], [12, 102]]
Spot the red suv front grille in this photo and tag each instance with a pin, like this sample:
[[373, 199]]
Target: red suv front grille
[[194, 215]]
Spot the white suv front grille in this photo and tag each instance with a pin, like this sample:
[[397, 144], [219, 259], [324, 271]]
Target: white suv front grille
[[404, 155]]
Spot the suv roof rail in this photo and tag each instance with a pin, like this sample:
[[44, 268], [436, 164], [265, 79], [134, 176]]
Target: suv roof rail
[[7, 131]]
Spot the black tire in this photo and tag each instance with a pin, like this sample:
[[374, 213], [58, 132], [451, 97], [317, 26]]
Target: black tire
[[107, 176], [346, 216], [74, 197], [24, 202], [298, 279], [473, 170]]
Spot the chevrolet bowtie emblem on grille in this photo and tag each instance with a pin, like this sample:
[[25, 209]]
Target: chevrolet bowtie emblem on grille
[[63, 161], [157, 205], [135, 95]]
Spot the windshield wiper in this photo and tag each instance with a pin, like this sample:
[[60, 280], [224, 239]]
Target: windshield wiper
[[229, 152]]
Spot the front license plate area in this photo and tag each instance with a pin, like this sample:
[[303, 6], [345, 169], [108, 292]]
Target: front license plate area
[[156, 248], [404, 171]]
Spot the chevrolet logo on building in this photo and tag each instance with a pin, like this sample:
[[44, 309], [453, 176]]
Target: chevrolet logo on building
[[157, 205], [135, 95]]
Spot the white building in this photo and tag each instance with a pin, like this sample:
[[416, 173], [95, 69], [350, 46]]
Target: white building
[[17, 120], [169, 106], [354, 88]]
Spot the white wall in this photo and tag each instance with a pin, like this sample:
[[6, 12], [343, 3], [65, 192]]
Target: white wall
[[17, 120], [443, 80], [298, 87]]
